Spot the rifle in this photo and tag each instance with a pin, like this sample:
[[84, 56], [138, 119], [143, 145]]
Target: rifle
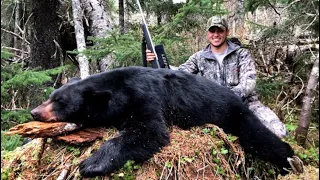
[[161, 60]]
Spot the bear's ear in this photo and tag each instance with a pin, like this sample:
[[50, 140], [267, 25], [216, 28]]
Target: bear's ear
[[69, 81], [74, 79]]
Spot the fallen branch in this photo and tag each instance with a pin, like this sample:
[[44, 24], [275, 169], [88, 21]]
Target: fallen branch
[[41, 129], [83, 136], [64, 172], [63, 131]]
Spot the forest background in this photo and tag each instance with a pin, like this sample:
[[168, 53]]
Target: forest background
[[45, 43]]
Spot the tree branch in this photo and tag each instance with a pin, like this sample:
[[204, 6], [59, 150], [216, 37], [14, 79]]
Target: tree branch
[[274, 8], [290, 5], [14, 49], [14, 34]]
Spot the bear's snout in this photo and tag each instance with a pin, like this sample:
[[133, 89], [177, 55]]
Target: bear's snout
[[35, 114], [44, 112]]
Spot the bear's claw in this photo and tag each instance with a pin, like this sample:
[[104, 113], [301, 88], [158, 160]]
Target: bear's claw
[[89, 169]]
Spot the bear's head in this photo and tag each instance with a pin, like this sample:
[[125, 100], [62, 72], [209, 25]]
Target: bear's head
[[73, 102]]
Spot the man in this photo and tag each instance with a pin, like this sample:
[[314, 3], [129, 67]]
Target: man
[[230, 65]]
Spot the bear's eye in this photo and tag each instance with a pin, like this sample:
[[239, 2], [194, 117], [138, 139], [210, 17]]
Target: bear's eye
[[60, 103], [59, 100]]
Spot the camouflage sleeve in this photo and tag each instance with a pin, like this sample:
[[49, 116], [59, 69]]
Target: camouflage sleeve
[[247, 74], [191, 64]]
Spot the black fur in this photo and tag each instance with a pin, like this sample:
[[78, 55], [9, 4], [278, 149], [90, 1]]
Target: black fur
[[142, 102]]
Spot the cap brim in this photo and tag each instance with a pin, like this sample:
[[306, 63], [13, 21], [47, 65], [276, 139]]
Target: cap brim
[[219, 26]]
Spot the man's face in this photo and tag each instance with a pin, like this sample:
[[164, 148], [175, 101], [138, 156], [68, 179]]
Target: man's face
[[217, 36]]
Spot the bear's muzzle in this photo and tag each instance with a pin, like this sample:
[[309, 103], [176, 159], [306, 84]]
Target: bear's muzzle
[[44, 112]]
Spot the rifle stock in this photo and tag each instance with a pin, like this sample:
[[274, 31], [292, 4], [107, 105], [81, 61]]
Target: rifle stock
[[148, 41]]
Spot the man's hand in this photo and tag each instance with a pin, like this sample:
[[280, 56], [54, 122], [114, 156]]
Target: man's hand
[[150, 56]]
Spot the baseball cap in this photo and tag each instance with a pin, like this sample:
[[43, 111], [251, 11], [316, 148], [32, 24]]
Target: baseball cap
[[218, 21]]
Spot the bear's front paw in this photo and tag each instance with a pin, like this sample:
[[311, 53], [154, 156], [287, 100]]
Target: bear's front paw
[[92, 168]]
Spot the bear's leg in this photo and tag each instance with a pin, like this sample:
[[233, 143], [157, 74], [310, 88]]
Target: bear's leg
[[138, 141], [258, 140]]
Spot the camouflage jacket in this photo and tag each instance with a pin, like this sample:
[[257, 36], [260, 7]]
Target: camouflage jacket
[[237, 71]]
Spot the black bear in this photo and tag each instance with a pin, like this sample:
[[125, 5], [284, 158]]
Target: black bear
[[142, 102]]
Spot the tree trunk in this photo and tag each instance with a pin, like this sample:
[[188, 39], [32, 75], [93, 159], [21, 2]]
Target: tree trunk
[[121, 16], [81, 43], [19, 39], [159, 18], [99, 20], [45, 32], [236, 17], [16, 43], [308, 99]]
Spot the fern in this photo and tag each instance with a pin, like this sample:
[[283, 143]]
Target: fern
[[268, 88], [19, 88], [11, 118], [9, 143], [5, 54]]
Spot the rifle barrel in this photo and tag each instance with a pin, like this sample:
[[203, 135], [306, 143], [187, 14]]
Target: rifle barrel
[[148, 35]]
